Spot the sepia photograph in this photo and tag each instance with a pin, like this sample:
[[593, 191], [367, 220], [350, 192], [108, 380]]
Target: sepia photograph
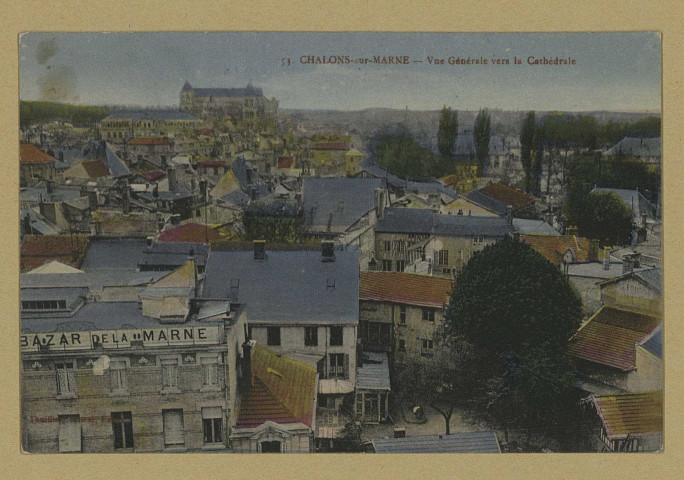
[[340, 242]]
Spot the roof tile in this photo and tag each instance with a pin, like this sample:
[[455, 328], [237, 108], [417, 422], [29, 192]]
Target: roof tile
[[408, 288]]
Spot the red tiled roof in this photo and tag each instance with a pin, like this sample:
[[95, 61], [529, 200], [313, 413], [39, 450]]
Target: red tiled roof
[[154, 175], [508, 195], [450, 180], [210, 164], [207, 132], [610, 337], [149, 141], [553, 247], [408, 288], [283, 391], [285, 162], [29, 153], [190, 232], [95, 168], [632, 414], [37, 250], [331, 146]]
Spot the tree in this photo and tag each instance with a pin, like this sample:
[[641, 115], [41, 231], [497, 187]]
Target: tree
[[447, 133], [481, 131], [527, 136], [403, 156], [276, 222], [600, 215], [517, 312]]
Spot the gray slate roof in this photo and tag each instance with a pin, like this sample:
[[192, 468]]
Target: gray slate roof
[[229, 92], [70, 295], [464, 442], [533, 227], [289, 287], [634, 200], [654, 343], [636, 147], [653, 277], [347, 199], [120, 254], [93, 280], [488, 202], [432, 186], [420, 221], [373, 373], [32, 195], [39, 223], [151, 115]]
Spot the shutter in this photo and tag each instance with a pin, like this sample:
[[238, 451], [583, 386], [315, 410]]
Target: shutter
[[128, 428], [69, 433], [346, 365], [173, 427]]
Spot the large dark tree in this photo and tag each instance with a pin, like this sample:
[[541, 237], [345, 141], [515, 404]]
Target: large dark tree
[[518, 312], [600, 215], [481, 132], [527, 136], [447, 133]]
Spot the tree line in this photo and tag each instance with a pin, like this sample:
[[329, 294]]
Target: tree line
[[35, 112]]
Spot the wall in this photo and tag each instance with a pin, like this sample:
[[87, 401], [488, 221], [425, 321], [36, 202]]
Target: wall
[[648, 374], [632, 294]]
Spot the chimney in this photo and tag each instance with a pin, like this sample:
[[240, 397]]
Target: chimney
[[259, 249], [92, 200], [127, 201], [509, 214], [171, 174], [606, 259], [379, 202], [328, 251], [636, 259], [247, 379], [50, 186], [593, 250], [627, 264]]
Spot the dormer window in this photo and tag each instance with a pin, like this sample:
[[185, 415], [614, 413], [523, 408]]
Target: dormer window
[[41, 305]]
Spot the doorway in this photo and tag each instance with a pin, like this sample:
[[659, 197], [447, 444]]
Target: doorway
[[270, 447]]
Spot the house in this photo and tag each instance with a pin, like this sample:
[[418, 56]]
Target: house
[[189, 232], [645, 212], [422, 241], [123, 126], [604, 350], [638, 290], [498, 196], [399, 313], [464, 206], [564, 249], [302, 303], [277, 407], [630, 422], [34, 165], [96, 160], [372, 388], [399, 187], [33, 223], [103, 375], [647, 149], [151, 150], [462, 442], [36, 250]]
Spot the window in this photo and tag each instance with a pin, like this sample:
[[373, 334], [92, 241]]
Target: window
[[69, 433], [117, 375], [443, 257], [336, 337], [400, 265], [428, 315], [387, 265], [478, 239], [337, 365], [212, 423], [386, 246], [169, 373], [402, 345], [310, 336], [402, 314], [209, 371], [375, 333], [43, 305], [273, 336], [427, 348], [66, 378], [174, 434], [399, 246], [122, 424]]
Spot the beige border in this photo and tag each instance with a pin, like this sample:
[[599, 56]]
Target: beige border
[[465, 15]]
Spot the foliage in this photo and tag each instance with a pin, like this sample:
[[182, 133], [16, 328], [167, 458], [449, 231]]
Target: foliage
[[447, 133], [527, 137], [612, 132], [600, 215], [32, 112], [481, 132], [404, 157], [275, 222], [516, 311]]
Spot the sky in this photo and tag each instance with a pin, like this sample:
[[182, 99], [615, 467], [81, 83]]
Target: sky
[[613, 71]]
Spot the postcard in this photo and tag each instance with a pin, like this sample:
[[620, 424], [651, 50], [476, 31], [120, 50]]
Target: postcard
[[352, 242]]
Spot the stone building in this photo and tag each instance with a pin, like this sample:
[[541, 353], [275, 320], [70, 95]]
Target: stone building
[[123, 126], [247, 107], [129, 376], [34, 165]]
